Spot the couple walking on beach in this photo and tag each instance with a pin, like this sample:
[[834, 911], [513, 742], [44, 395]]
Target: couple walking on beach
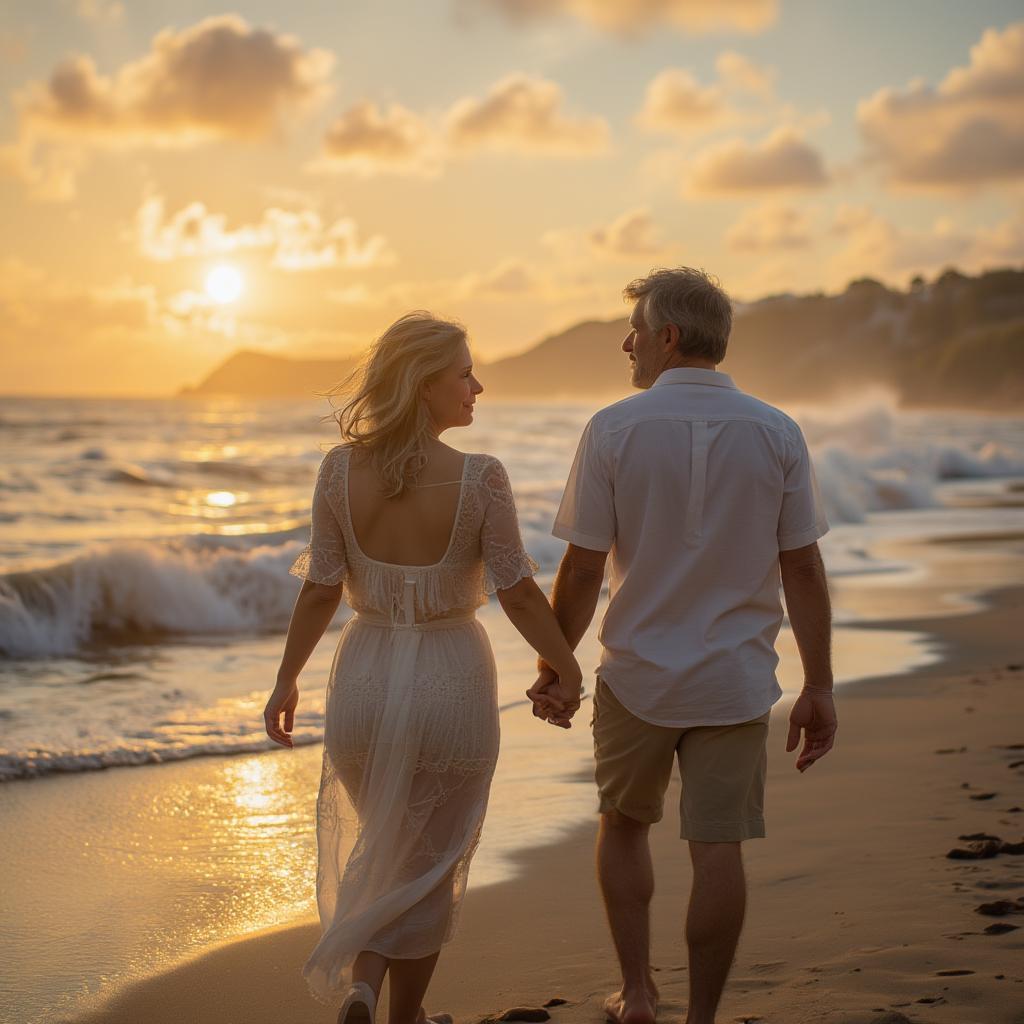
[[706, 500]]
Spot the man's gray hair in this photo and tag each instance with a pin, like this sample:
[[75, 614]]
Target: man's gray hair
[[692, 300]]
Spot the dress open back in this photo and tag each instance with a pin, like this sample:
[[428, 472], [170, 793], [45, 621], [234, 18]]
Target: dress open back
[[411, 723]]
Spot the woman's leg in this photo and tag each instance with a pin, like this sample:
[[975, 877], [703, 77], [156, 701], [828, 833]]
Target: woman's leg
[[371, 968], [408, 986]]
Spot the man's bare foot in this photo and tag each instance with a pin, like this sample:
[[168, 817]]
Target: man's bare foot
[[632, 1006]]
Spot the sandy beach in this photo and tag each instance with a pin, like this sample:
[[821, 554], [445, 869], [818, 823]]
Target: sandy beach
[[855, 912]]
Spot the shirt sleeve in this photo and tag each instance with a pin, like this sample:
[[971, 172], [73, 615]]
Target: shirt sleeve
[[506, 561], [802, 518], [323, 559], [586, 515]]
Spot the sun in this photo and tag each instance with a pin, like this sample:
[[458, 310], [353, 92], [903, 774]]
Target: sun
[[224, 283]]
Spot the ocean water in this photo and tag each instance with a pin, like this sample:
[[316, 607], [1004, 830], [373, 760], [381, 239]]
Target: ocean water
[[144, 594], [144, 549]]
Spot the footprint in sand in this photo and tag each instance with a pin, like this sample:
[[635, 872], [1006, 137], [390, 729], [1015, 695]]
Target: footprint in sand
[[768, 967], [1001, 928], [1000, 908]]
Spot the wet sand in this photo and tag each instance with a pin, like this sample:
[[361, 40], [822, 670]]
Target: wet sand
[[855, 912]]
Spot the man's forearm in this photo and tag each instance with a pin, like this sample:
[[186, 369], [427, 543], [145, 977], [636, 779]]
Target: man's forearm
[[574, 598], [810, 618]]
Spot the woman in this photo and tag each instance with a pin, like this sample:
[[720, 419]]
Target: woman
[[417, 534]]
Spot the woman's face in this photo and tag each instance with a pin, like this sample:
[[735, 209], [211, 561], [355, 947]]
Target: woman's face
[[451, 394]]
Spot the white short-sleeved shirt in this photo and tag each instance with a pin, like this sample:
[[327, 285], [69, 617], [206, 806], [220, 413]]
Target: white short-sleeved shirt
[[694, 487]]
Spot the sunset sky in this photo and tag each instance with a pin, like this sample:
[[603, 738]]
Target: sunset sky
[[181, 181]]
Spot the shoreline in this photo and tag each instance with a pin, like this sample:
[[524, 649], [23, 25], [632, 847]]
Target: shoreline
[[552, 906]]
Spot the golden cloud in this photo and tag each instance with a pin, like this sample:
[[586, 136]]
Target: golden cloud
[[634, 233], [770, 226], [676, 102], [298, 239], [629, 17], [968, 131], [875, 245], [524, 113], [741, 73], [218, 79], [365, 139], [99, 10], [783, 160]]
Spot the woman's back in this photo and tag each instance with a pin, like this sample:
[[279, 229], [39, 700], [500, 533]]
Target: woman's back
[[461, 541], [415, 528]]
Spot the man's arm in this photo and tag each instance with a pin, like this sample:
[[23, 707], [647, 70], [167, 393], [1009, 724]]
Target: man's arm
[[575, 592], [810, 617], [810, 612], [574, 597]]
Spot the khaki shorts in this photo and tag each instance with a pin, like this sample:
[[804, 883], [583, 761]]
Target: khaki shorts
[[722, 767]]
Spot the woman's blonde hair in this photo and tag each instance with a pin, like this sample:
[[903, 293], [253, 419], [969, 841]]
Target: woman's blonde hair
[[385, 415]]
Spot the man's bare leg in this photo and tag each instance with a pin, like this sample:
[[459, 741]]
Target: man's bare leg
[[626, 876], [713, 924]]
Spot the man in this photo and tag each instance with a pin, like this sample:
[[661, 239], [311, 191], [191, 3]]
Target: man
[[706, 499]]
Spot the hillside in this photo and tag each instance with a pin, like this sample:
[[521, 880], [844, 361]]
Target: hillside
[[957, 341]]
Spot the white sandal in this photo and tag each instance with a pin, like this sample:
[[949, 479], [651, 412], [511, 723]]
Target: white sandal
[[360, 1005]]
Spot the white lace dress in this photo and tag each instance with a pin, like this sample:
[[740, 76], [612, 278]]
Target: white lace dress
[[411, 729]]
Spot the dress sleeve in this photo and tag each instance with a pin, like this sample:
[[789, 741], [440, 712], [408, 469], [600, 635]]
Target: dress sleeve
[[802, 519], [323, 558], [506, 561]]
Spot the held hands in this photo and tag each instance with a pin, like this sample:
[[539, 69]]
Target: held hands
[[556, 698], [284, 699], [815, 713]]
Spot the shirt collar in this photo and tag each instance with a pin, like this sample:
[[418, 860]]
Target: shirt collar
[[694, 375]]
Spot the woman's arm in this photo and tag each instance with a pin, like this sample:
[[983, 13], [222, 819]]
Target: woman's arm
[[528, 610], [314, 609]]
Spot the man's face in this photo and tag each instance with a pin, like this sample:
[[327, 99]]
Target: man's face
[[646, 354]]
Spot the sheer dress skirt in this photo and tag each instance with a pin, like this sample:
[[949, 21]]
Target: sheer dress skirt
[[410, 745]]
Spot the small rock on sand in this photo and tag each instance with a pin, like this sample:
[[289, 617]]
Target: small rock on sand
[[556, 1002], [983, 796], [975, 851]]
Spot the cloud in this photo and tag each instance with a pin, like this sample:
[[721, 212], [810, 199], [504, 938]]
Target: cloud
[[742, 74], [219, 79], [875, 245], [99, 10], [366, 139], [781, 161], [969, 131], [675, 103], [634, 233], [633, 17], [34, 305], [770, 226], [524, 113], [509, 279], [298, 239]]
